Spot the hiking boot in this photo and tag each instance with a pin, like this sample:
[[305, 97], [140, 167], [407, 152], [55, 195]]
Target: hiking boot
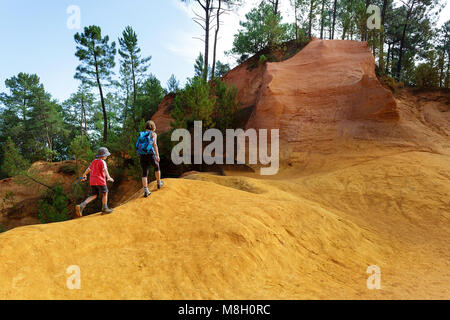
[[147, 193], [79, 210], [106, 210], [160, 184]]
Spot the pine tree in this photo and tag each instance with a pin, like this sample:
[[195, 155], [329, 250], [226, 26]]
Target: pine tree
[[13, 163], [131, 59], [222, 69], [173, 84], [78, 111], [97, 61]]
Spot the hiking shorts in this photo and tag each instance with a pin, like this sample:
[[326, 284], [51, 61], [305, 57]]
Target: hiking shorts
[[98, 190], [148, 160]]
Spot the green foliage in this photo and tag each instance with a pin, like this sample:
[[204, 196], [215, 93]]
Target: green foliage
[[133, 66], [195, 102], [221, 69], [389, 82], [2, 228], [173, 85], [150, 95], [200, 69], [130, 53], [262, 59], [95, 54], [80, 149], [261, 30], [32, 119], [53, 207], [78, 111], [426, 76], [13, 163], [97, 61], [8, 199], [213, 103], [226, 105]]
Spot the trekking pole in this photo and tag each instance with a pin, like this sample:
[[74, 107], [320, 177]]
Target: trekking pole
[[79, 180]]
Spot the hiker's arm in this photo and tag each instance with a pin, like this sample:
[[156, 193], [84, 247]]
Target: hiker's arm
[[86, 173], [107, 175], [155, 146]]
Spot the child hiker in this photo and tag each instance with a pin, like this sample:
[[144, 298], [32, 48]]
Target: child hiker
[[99, 175], [147, 148]]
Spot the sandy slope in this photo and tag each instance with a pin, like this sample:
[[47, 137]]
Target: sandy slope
[[229, 237], [352, 193]]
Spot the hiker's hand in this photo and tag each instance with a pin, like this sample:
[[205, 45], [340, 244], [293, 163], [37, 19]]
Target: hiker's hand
[[84, 178], [110, 179], [157, 158]]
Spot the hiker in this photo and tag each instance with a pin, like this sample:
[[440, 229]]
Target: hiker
[[147, 148], [99, 175]]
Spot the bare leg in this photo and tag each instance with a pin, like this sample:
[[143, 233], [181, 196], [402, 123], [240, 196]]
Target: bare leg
[[79, 208], [158, 176], [90, 199], [145, 182], [105, 200]]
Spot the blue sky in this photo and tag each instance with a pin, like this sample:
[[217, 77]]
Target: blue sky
[[35, 37]]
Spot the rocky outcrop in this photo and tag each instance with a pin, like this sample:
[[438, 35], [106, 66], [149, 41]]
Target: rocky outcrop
[[309, 96], [162, 116], [327, 91]]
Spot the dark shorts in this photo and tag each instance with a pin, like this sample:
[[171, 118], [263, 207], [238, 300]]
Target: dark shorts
[[98, 190], [148, 160]]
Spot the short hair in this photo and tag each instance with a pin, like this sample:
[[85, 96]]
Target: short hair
[[150, 125]]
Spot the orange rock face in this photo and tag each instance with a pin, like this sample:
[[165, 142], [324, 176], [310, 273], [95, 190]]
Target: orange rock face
[[311, 95], [327, 91], [162, 116], [248, 81]]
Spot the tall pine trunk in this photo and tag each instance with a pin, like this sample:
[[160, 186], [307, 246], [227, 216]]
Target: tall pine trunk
[[310, 17], [296, 22], [365, 29], [82, 118], [322, 19], [215, 39], [207, 9], [275, 7], [334, 19], [134, 81], [388, 58], [402, 41], [381, 57], [105, 116]]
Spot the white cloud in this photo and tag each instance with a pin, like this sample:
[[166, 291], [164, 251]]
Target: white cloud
[[187, 44], [188, 47]]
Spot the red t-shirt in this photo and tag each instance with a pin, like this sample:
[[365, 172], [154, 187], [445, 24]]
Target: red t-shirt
[[98, 174]]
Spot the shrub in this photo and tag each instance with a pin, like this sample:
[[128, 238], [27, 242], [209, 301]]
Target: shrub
[[426, 76], [195, 102], [13, 163], [81, 149], [53, 207], [2, 228], [262, 29], [389, 82], [9, 197], [262, 59], [226, 105]]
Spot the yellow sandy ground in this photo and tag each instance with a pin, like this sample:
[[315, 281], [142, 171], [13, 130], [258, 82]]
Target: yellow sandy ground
[[296, 236]]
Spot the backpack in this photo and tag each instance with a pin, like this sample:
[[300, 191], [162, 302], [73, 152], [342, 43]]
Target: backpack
[[144, 144]]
